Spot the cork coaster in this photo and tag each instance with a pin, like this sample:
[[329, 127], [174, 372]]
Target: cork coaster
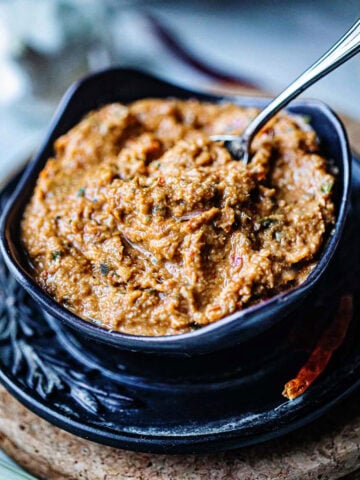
[[327, 449]]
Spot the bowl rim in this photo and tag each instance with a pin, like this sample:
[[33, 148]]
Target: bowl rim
[[185, 341]]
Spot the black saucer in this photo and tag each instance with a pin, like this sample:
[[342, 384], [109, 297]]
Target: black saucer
[[146, 403]]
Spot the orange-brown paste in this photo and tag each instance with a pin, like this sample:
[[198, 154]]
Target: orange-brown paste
[[141, 224]]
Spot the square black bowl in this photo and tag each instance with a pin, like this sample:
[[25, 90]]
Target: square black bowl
[[123, 85]]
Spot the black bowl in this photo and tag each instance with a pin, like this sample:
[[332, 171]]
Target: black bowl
[[126, 86]]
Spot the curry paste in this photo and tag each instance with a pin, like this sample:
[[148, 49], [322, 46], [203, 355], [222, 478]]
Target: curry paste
[[143, 225]]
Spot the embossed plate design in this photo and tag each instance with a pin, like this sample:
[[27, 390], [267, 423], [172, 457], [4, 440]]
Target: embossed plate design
[[212, 402]]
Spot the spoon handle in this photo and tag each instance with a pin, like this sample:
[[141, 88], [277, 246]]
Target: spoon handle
[[347, 46]]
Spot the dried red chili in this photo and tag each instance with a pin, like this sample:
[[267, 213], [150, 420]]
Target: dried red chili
[[329, 341]]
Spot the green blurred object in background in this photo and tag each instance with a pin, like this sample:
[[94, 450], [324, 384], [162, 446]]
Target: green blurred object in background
[[9, 472]]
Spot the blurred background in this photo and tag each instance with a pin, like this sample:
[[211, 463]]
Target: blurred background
[[225, 45]]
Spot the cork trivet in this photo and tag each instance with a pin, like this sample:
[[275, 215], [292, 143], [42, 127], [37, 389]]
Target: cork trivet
[[327, 449]]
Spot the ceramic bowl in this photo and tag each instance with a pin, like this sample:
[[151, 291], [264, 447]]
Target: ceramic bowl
[[125, 86]]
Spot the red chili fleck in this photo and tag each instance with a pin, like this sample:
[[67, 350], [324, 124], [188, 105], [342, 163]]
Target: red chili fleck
[[161, 181], [237, 261]]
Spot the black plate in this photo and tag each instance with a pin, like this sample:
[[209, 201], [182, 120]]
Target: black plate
[[117, 400]]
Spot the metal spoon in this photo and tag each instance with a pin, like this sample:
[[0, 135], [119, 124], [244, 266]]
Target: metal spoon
[[346, 47]]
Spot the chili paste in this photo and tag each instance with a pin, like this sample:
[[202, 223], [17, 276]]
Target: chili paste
[[143, 225]]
